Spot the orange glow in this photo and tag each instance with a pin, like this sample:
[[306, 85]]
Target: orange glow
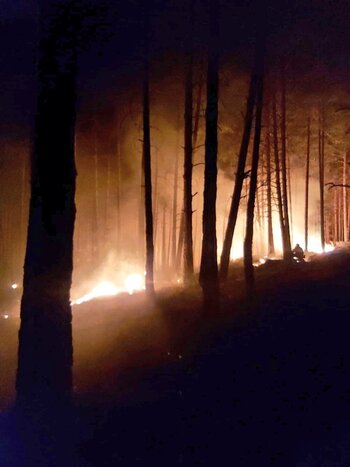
[[132, 283]]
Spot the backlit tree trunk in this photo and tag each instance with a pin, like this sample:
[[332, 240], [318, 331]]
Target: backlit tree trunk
[[288, 248], [278, 177], [270, 239], [345, 204], [248, 241], [208, 268], [44, 374], [147, 172], [321, 178], [307, 177], [172, 260], [188, 156], [240, 174]]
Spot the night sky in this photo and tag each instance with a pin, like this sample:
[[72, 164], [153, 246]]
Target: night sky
[[307, 33]]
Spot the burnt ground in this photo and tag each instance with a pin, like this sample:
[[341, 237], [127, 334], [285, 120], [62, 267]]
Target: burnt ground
[[255, 383]]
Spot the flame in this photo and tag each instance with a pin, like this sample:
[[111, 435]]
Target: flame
[[133, 283]]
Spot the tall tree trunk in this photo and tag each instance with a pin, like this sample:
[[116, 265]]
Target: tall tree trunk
[[180, 243], [288, 248], [307, 178], [321, 177], [270, 239], [96, 206], [188, 164], [290, 204], [197, 113], [118, 195], [345, 204], [164, 242], [278, 175], [240, 174], [172, 260], [23, 206], [335, 216], [44, 374], [248, 241], [147, 171], [141, 213], [209, 268]]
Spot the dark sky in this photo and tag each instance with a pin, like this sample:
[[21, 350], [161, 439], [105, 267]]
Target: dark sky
[[304, 32]]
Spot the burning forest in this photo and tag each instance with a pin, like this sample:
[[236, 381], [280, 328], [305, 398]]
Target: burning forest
[[174, 181]]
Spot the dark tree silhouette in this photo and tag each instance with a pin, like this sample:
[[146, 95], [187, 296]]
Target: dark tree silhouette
[[248, 241], [278, 177], [287, 240], [307, 181], [270, 237], [147, 168], [321, 176], [44, 374], [188, 164], [45, 337], [240, 174], [208, 276]]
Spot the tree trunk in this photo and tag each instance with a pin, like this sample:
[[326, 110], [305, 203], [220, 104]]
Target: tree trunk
[[141, 213], [164, 242], [44, 375], [118, 194], [188, 156], [172, 260], [96, 206], [209, 268], [288, 248], [321, 178], [345, 204], [248, 241], [307, 178], [148, 173], [240, 174], [180, 243], [270, 239], [290, 204]]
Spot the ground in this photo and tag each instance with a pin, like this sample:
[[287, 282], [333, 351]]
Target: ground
[[257, 382]]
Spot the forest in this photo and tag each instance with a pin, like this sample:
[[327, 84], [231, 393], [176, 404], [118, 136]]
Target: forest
[[174, 232]]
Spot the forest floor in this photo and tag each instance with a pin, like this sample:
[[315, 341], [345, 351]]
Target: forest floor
[[254, 383]]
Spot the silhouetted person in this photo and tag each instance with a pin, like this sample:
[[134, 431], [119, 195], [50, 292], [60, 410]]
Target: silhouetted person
[[298, 253]]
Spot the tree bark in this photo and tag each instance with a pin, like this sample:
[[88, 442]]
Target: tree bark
[[172, 260], [270, 239], [278, 175], [288, 248], [147, 170], [45, 356], [240, 174], [307, 178], [188, 156], [248, 241], [118, 195], [345, 207], [321, 177], [209, 268]]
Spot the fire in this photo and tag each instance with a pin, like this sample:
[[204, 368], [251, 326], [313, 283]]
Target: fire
[[133, 283]]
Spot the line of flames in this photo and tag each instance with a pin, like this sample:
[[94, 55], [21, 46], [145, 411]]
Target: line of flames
[[133, 283], [136, 282]]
